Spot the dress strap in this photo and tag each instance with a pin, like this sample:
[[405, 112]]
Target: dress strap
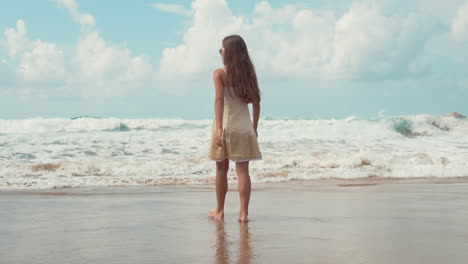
[[224, 69]]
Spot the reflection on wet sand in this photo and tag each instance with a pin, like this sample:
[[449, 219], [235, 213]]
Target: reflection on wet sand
[[245, 251], [223, 249]]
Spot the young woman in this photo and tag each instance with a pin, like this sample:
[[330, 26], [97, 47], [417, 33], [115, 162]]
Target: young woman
[[233, 134]]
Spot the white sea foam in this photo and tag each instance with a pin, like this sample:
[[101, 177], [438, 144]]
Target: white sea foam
[[42, 153]]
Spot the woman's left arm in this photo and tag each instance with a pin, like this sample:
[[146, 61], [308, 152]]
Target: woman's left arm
[[219, 102]]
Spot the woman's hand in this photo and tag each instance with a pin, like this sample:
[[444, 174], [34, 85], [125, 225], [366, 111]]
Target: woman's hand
[[219, 137]]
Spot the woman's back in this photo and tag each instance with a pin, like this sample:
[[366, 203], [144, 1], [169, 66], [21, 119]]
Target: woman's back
[[236, 113]]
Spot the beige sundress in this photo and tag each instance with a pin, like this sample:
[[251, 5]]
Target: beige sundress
[[240, 140]]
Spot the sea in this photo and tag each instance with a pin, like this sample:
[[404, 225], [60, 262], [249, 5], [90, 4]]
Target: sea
[[48, 153]]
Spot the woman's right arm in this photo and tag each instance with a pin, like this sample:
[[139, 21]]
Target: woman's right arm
[[256, 115], [219, 98]]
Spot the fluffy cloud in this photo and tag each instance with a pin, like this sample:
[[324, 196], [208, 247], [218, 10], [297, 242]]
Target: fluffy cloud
[[460, 23], [36, 60], [84, 19], [45, 61], [110, 68], [172, 8], [368, 43], [212, 19], [99, 59], [365, 41], [16, 39], [94, 68]]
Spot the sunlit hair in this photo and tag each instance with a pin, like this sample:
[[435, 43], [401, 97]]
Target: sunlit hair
[[240, 70]]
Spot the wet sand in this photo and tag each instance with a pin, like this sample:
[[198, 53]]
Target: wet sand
[[324, 221]]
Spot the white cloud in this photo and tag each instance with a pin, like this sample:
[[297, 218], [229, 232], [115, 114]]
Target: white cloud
[[44, 62], [366, 43], [290, 41], [107, 65], [16, 39], [94, 68], [106, 69], [37, 60], [212, 19], [84, 19], [99, 61], [173, 8], [460, 23]]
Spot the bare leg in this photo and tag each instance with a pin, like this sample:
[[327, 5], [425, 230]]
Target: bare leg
[[222, 168], [244, 188]]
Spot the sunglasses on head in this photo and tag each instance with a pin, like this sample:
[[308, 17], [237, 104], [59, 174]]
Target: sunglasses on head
[[220, 50]]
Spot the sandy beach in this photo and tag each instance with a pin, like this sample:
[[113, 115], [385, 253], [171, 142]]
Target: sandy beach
[[323, 221]]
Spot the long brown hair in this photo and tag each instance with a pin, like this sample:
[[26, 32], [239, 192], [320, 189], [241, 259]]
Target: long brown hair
[[240, 70]]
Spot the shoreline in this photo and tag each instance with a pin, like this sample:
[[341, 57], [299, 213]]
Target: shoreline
[[339, 182]]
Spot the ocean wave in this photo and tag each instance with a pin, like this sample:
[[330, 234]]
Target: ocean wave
[[404, 125], [426, 125], [87, 124], [200, 170], [57, 152]]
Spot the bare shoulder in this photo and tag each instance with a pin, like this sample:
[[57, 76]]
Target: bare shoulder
[[218, 73]]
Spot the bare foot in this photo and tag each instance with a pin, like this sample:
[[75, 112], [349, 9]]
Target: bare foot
[[216, 215], [243, 218]]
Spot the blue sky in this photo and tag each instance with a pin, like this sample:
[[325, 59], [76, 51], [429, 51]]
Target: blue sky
[[314, 59]]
